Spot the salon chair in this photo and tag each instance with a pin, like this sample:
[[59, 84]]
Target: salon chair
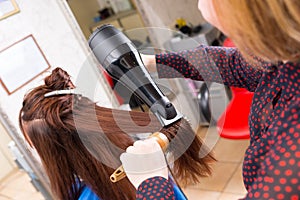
[[233, 123]]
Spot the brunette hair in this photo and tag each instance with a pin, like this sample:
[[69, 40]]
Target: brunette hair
[[266, 28], [78, 140]]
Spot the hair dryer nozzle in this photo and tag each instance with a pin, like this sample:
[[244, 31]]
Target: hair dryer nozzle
[[120, 58]]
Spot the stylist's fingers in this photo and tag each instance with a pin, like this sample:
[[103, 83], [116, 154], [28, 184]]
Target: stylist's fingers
[[144, 147], [152, 145], [139, 144], [149, 145], [130, 149], [140, 147]]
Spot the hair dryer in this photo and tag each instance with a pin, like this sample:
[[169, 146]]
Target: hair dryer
[[120, 58]]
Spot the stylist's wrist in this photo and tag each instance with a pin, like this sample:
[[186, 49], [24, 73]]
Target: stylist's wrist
[[150, 62], [144, 160]]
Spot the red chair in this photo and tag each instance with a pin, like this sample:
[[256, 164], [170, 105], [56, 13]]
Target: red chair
[[233, 123]]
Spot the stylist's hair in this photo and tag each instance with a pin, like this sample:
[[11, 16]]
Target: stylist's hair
[[79, 141], [269, 29]]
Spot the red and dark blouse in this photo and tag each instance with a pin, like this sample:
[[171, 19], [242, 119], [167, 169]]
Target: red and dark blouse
[[272, 160]]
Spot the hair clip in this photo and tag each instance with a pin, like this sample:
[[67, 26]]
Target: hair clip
[[59, 92]]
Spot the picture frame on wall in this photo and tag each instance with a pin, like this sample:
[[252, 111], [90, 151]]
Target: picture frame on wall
[[8, 8], [21, 62]]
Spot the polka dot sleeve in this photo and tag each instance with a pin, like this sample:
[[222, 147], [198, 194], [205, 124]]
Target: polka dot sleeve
[[216, 64], [156, 188], [279, 174]]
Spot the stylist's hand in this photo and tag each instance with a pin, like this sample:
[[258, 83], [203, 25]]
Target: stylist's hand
[[150, 62], [143, 160]]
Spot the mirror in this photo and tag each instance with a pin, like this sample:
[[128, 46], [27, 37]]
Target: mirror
[[21, 62], [8, 8]]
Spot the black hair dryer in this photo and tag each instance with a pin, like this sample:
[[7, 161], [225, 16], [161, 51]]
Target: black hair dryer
[[120, 58]]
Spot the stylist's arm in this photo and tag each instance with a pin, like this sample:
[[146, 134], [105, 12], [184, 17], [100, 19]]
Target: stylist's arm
[[146, 168]]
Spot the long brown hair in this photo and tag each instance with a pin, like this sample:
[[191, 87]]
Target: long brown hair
[[78, 140], [269, 29]]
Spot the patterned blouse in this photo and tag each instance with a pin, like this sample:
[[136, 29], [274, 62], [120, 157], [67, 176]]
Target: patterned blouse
[[271, 168]]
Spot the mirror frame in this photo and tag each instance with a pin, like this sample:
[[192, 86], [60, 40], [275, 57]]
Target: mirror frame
[[12, 12]]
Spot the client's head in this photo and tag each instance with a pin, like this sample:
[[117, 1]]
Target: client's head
[[78, 140], [48, 124]]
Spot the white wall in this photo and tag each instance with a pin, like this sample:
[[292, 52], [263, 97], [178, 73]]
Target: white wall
[[169, 10], [56, 38], [59, 37]]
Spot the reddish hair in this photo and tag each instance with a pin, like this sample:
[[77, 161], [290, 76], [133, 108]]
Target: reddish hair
[[76, 139]]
